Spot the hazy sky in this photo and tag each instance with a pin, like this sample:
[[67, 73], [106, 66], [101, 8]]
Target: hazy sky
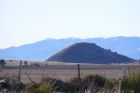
[[26, 21]]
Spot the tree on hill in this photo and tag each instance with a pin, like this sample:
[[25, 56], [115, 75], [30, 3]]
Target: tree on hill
[[2, 62]]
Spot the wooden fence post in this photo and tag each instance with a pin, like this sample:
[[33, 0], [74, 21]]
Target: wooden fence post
[[79, 77]]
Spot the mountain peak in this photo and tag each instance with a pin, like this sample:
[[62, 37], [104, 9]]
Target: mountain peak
[[88, 53], [84, 44]]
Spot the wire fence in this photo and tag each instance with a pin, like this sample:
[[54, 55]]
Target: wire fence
[[63, 72]]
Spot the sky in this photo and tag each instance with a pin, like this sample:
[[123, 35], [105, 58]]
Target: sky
[[27, 21]]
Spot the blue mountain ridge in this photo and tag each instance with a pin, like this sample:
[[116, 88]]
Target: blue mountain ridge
[[41, 50]]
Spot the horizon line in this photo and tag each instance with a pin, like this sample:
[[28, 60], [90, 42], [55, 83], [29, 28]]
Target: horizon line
[[70, 38]]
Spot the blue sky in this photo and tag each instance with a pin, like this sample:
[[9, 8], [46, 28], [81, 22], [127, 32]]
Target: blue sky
[[26, 21]]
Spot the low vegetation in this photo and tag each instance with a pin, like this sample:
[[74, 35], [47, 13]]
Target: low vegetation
[[128, 83], [45, 86], [131, 83], [89, 84]]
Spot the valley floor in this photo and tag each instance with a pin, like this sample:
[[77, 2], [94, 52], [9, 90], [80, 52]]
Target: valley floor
[[66, 72]]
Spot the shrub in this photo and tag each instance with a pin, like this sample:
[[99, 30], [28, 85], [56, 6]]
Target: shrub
[[131, 83], [2, 62], [45, 86]]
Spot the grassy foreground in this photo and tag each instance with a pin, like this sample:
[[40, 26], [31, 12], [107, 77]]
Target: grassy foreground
[[129, 83]]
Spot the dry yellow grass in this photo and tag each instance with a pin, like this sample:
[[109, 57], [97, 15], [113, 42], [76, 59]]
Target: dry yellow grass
[[66, 72]]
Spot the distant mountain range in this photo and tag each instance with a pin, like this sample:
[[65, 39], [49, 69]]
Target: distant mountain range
[[88, 53], [42, 50]]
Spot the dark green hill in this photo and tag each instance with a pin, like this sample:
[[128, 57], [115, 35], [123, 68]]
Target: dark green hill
[[89, 53]]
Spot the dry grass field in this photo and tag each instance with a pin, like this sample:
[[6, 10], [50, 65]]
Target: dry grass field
[[65, 72]]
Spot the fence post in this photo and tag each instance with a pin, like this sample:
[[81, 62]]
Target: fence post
[[119, 89], [79, 77], [19, 77], [19, 72], [78, 65]]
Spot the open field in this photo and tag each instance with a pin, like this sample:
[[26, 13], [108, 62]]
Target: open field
[[66, 72]]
